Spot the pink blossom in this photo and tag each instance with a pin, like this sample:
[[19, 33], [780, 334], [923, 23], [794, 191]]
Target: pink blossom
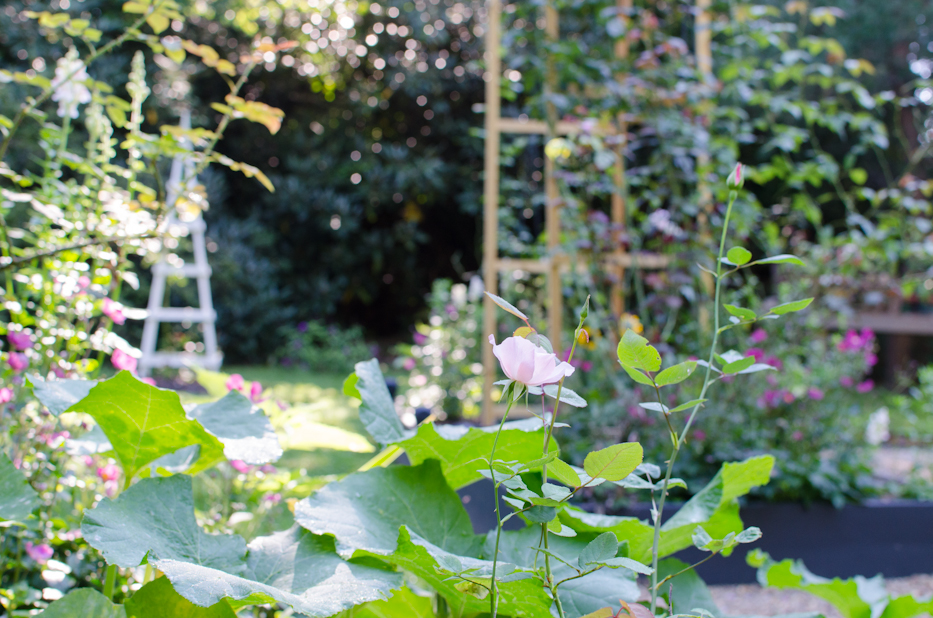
[[110, 472], [815, 393], [255, 392], [149, 381], [268, 469], [788, 397], [419, 338], [240, 466], [272, 498], [84, 281], [757, 353], [524, 362], [700, 435], [758, 336], [637, 413], [871, 359], [19, 340], [855, 340], [587, 366], [774, 361], [235, 382], [797, 436], [866, 386], [6, 394], [18, 361], [114, 311], [408, 364], [123, 361], [846, 381], [40, 553]]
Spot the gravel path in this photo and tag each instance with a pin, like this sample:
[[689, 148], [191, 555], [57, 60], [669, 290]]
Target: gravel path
[[753, 600]]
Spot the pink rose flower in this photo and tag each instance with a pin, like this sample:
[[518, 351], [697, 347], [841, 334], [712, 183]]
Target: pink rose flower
[[110, 472], [758, 336], [19, 340], [524, 362], [123, 361], [240, 466], [6, 394], [815, 393], [40, 553], [866, 386], [114, 311], [235, 382], [18, 361]]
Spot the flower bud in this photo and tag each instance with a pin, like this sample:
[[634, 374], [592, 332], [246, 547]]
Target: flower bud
[[737, 177]]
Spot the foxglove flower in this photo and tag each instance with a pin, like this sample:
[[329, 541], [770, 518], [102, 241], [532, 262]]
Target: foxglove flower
[[524, 362], [70, 91]]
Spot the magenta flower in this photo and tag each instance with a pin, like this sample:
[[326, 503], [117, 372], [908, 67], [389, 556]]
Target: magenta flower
[[18, 361], [6, 394], [255, 392], [419, 338], [871, 359], [408, 364], [529, 364], [758, 336], [240, 466], [110, 472], [815, 393], [235, 382], [19, 340], [846, 381], [114, 311], [40, 553], [797, 436], [866, 386], [700, 435], [123, 361], [756, 353], [272, 498], [855, 340]]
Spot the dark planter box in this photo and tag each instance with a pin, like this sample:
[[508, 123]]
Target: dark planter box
[[891, 538]]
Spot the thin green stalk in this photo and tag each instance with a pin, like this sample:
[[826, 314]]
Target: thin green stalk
[[494, 587], [696, 408], [28, 108], [110, 581]]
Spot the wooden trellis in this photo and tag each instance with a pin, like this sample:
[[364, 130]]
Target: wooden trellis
[[554, 263]]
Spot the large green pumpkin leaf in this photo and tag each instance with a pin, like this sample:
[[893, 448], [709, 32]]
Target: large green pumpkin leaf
[[155, 518], [243, 428], [293, 567], [158, 599], [460, 449], [84, 602], [377, 412], [523, 597], [364, 511], [580, 596], [714, 507], [59, 395], [403, 604], [17, 498], [144, 423]]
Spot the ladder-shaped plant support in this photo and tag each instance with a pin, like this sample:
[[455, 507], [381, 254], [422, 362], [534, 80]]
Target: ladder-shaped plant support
[[554, 263], [200, 270]]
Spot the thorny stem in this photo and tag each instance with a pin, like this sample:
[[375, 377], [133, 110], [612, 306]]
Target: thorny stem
[[494, 587], [706, 383]]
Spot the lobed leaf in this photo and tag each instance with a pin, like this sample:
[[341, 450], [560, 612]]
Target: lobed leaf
[[158, 599], [377, 411], [59, 395], [243, 428], [84, 602]]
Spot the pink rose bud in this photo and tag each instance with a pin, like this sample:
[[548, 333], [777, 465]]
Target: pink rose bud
[[19, 340], [18, 361], [235, 382], [114, 311], [524, 362], [736, 178], [123, 361]]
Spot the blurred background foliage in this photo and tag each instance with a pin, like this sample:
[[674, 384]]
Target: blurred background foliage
[[378, 165]]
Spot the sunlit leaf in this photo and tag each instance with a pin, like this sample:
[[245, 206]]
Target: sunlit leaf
[[615, 462], [17, 498]]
